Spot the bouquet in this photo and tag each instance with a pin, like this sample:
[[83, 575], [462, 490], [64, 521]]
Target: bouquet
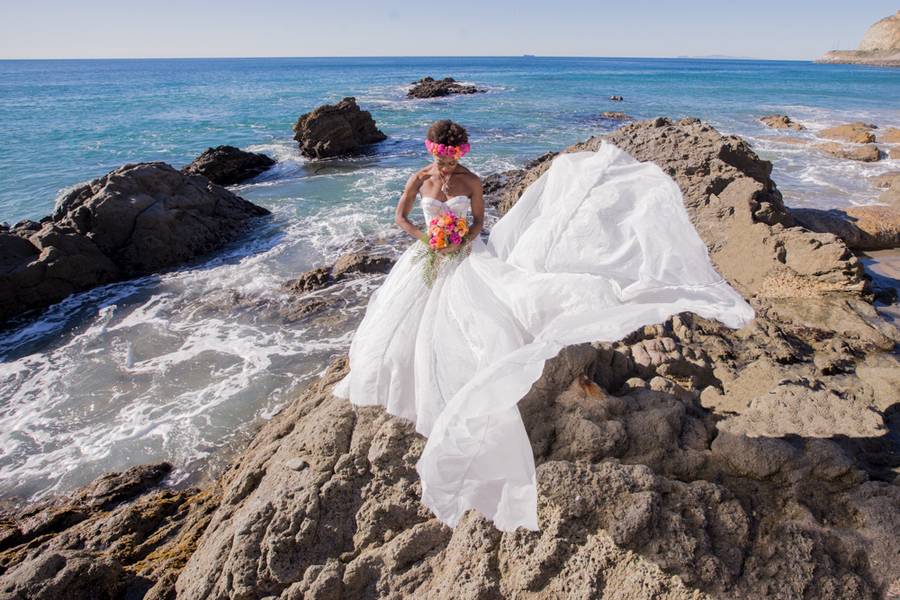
[[444, 231]]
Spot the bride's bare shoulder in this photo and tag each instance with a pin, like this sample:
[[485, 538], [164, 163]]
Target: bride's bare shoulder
[[472, 179]]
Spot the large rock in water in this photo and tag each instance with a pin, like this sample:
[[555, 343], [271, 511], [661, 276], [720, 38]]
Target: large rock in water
[[880, 46], [137, 219], [227, 165], [685, 461], [336, 129], [429, 87]]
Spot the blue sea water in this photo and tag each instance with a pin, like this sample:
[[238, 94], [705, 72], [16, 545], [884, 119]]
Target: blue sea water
[[169, 367]]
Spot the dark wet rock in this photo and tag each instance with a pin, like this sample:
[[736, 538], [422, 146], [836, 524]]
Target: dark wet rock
[[429, 87], [616, 98], [227, 165], [137, 219], [336, 129], [347, 265]]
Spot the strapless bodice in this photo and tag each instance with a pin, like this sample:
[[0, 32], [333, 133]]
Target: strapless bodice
[[432, 207]]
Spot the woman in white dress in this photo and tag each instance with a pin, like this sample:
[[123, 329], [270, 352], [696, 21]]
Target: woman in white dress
[[598, 246]]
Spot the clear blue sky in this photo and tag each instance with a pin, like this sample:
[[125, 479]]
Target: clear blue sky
[[190, 28]]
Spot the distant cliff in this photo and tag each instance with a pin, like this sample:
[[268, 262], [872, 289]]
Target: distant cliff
[[879, 46]]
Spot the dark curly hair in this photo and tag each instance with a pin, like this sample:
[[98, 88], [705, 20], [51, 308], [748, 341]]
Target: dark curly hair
[[447, 132]]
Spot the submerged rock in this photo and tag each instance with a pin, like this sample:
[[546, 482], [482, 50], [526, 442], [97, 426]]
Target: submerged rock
[[781, 122], [429, 87], [336, 129], [135, 220], [227, 165]]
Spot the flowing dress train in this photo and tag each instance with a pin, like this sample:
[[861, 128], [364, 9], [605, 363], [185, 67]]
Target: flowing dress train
[[598, 246]]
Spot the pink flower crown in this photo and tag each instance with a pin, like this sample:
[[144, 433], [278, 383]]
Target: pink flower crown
[[446, 149]]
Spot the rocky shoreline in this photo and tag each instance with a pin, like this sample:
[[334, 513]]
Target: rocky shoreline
[[687, 460]]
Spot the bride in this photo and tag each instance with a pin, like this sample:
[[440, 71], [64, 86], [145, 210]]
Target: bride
[[598, 246]]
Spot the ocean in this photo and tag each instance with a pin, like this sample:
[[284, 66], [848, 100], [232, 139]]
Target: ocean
[[169, 367]]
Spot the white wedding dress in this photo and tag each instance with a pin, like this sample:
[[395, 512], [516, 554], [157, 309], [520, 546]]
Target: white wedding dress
[[598, 246]]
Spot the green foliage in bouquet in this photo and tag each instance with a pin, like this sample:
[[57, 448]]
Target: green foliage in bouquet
[[433, 261]]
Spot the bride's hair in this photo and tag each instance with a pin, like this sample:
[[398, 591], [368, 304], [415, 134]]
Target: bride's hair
[[448, 133]]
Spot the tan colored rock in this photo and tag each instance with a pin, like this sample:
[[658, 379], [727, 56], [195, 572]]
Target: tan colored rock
[[781, 122], [862, 153], [883, 35], [890, 135], [894, 153], [872, 227], [858, 133], [887, 180]]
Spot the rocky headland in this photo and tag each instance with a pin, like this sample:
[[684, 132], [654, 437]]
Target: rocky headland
[[685, 461], [880, 46]]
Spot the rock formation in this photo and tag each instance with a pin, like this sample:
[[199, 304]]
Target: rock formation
[[429, 87], [336, 129], [860, 152], [227, 165], [135, 220], [871, 227], [857, 133], [685, 461], [781, 122], [880, 46]]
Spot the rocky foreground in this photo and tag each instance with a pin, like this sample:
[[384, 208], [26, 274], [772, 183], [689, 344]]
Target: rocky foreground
[[687, 460]]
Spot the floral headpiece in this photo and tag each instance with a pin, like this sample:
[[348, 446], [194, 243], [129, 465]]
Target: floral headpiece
[[446, 149]]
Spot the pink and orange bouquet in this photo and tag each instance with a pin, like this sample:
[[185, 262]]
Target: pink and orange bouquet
[[444, 231]]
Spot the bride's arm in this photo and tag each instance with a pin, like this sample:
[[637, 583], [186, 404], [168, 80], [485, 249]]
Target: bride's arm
[[477, 204], [404, 206]]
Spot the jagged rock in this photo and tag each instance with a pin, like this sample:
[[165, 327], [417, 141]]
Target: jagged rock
[[858, 133], [781, 122], [227, 165], [346, 265], [336, 129], [880, 46], [429, 87], [119, 536], [137, 219]]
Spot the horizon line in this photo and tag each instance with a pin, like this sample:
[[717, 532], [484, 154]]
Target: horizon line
[[677, 57]]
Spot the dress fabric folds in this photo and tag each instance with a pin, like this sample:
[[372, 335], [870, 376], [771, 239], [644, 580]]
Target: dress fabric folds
[[598, 246]]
